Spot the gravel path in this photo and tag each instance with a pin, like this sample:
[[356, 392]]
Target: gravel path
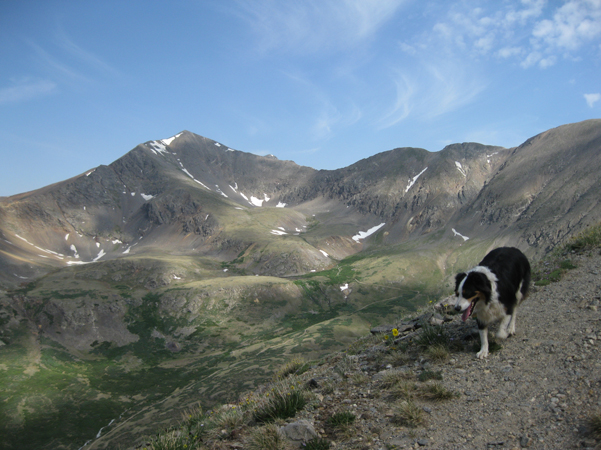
[[538, 391]]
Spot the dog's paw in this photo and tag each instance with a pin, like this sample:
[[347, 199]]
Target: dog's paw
[[482, 354], [502, 334]]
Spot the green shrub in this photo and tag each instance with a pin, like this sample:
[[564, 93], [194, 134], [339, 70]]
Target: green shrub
[[437, 391], [409, 414], [268, 437], [586, 240], [295, 367], [317, 444], [433, 335], [341, 419], [429, 375], [282, 404]]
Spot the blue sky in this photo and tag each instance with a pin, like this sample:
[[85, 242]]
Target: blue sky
[[321, 82]]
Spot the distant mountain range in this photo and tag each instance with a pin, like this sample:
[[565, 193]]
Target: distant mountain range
[[186, 272], [192, 195]]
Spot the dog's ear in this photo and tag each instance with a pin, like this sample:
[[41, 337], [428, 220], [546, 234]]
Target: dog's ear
[[458, 279], [482, 284]]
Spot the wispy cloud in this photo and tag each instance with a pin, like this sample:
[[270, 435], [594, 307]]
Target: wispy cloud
[[84, 56], [310, 25], [26, 89], [430, 90], [66, 60], [591, 99], [330, 113]]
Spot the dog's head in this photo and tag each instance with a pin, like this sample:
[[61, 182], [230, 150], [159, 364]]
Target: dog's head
[[470, 288]]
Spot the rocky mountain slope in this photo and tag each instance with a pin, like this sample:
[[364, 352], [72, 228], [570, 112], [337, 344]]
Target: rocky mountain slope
[[194, 196], [538, 390]]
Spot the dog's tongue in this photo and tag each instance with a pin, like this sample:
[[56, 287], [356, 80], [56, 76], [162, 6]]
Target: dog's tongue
[[467, 313]]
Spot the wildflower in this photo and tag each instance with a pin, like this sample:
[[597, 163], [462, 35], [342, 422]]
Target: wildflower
[[386, 337], [395, 332]]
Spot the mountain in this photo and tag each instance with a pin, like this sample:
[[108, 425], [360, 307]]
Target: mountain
[[156, 280]]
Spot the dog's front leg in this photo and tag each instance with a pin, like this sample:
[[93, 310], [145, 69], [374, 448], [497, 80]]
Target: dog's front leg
[[503, 327], [483, 330]]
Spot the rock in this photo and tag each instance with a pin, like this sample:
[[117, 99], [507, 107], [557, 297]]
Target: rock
[[526, 441], [299, 432]]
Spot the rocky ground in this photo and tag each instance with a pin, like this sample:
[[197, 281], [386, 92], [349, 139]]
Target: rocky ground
[[537, 391]]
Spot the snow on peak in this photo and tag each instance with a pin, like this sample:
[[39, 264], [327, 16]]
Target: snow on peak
[[157, 147], [364, 234], [460, 168], [413, 180], [171, 139]]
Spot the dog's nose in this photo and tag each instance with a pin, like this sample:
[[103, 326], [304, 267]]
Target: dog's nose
[[457, 308]]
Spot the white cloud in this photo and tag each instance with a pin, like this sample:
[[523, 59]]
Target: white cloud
[[591, 99], [26, 89], [311, 25], [508, 52], [572, 25], [536, 32]]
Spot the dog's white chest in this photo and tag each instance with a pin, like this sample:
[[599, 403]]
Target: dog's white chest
[[490, 312]]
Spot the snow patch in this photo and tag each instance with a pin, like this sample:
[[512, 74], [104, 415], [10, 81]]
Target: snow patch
[[191, 176], [325, 254], [456, 233], [220, 191], [157, 147], [67, 237], [74, 250], [217, 144], [147, 197], [460, 168], [280, 205], [255, 201], [364, 234], [278, 232], [413, 180], [100, 255], [170, 140], [344, 287]]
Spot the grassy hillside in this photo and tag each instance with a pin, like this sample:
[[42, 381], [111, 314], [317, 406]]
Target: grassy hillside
[[134, 342]]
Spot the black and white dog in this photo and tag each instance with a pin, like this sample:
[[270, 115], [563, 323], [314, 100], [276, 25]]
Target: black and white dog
[[492, 291]]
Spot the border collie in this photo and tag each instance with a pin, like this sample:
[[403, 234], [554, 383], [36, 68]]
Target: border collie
[[492, 291]]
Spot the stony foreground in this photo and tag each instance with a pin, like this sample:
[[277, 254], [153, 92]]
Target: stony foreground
[[538, 391]]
